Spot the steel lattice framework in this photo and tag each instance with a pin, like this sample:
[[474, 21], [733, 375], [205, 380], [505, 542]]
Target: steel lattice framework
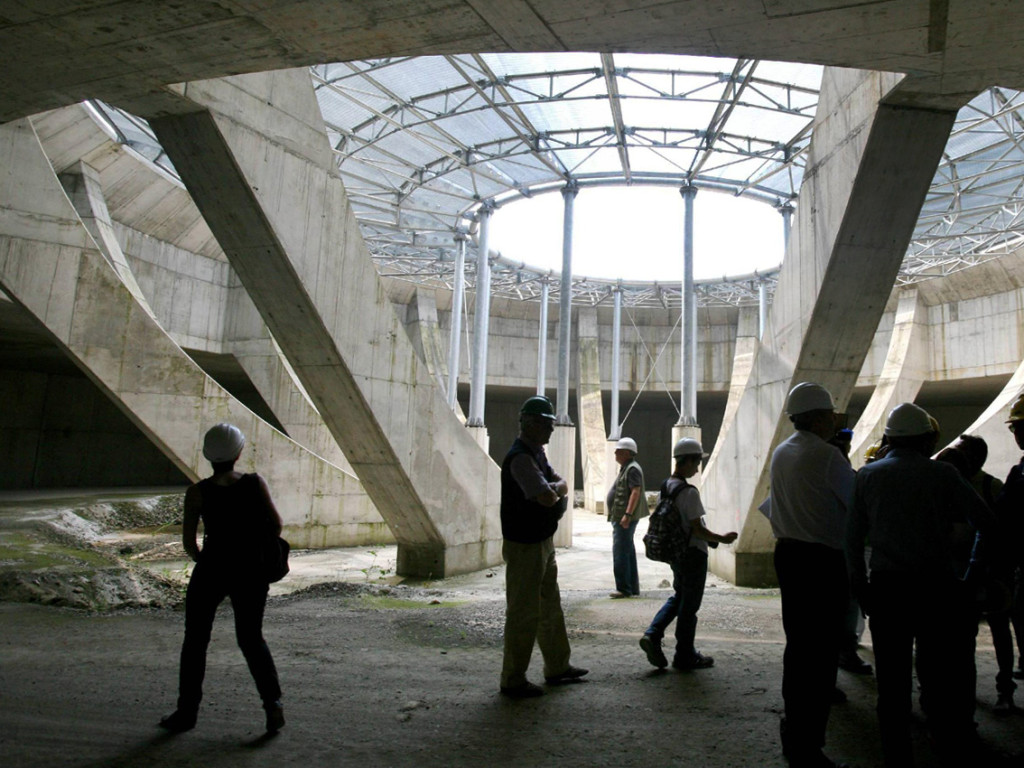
[[423, 143]]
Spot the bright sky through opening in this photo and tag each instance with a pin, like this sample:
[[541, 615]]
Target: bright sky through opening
[[636, 233]]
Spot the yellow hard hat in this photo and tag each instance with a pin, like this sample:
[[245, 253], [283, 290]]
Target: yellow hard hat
[[1017, 410]]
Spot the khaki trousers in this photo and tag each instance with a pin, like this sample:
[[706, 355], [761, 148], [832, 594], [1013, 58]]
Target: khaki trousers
[[533, 611]]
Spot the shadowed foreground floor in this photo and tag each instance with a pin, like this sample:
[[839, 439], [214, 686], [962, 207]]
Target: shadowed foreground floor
[[381, 675]]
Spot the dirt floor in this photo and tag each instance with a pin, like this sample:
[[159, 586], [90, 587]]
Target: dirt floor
[[383, 674]]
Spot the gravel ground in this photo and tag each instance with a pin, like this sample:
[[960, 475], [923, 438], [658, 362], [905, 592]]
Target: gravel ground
[[384, 674]]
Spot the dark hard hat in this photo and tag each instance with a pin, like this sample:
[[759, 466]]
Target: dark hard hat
[[538, 405]]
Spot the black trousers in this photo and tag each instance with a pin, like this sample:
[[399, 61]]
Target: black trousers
[[815, 594], [207, 588], [927, 623]]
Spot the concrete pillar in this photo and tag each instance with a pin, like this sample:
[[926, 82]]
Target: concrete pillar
[[562, 456], [906, 365], [302, 260], [869, 167], [54, 269], [542, 339], [748, 334], [425, 334], [590, 410], [454, 336], [481, 321], [569, 193], [82, 185], [245, 335], [1003, 452]]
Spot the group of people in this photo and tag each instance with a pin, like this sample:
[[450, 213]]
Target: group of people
[[910, 542], [915, 542], [916, 545], [533, 499]]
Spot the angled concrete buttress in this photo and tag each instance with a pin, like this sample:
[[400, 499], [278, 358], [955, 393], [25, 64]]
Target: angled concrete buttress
[[742, 359], [425, 334], [145, 195], [593, 437], [253, 153], [902, 375], [52, 267], [991, 425], [869, 166]]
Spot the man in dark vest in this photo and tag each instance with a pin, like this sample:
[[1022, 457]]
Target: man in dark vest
[[533, 499]]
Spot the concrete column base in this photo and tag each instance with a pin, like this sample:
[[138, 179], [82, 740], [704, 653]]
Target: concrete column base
[[679, 431], [481, 436], [561, 452], [438, 561], [744, 569], [611, 471]]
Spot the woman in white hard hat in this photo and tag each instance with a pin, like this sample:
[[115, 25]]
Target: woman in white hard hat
[[626, 505], [238, 515]]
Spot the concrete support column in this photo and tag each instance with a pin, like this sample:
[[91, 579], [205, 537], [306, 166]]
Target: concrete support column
[[454, 335], [569, 193], [481, 321], [748, 333], [590, 409], [425, 334], [53, 268], [869, 167], [238, 143], [904, 371], [991, 426], [542, 339], [561, 451]]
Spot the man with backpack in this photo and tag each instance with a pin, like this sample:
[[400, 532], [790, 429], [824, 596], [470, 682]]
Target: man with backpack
[[680, 515]]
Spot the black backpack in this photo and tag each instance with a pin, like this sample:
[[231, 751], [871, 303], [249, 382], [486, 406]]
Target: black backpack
[[666, 540]]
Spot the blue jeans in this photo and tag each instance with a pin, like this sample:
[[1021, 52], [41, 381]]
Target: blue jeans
[[688, 577], [627, 577]]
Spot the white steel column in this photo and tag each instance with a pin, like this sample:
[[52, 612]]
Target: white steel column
[[786, 211], [542, 339], [688, 393], [454, 347], [616, 427], [762, 307], [569, 192], [481, 319]]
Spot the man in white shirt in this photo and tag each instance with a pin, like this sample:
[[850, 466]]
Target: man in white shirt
[[811, 491]]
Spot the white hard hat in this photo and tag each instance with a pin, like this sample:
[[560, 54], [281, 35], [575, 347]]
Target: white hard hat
[[223, 442], [687, 446], [627, 443], [808, 396], [908, 420]]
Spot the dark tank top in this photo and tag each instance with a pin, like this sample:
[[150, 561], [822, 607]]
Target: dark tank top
[[235, 523]]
